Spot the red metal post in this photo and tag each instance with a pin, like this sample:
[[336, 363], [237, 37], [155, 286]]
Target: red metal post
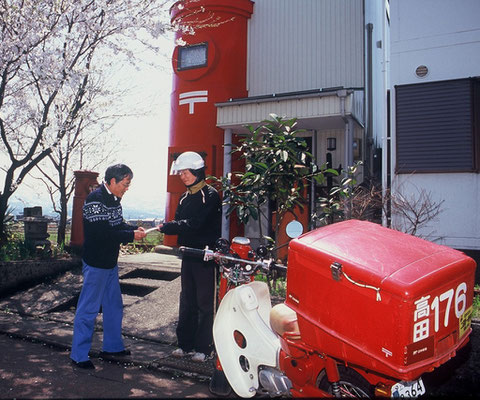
[[210, 66], [85, 182]]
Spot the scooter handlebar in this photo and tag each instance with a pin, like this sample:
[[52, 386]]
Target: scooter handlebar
[[206, 254], [251, 266], [190, 251], [279, 267]]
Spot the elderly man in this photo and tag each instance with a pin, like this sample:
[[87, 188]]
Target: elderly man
[[104, 231]]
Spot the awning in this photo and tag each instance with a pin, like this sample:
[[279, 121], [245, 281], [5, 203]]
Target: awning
[[317, 109]]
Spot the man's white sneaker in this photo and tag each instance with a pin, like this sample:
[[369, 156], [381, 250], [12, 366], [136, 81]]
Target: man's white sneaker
[[200, 357], [180, 353]]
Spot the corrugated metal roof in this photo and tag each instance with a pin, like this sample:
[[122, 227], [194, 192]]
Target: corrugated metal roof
[[313, 109]]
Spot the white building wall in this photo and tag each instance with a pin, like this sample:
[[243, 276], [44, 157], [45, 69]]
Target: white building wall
[[443, 35], [331, 54], [458, 223]]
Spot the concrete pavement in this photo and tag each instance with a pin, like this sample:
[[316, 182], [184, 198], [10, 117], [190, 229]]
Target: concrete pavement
[[150, 285], [33, 370]]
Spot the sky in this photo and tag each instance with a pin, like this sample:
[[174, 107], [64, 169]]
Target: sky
[[143, 143], [145, 139]]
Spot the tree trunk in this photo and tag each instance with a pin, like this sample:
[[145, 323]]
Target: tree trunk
[[62, 227], [3, 214], [62, 223]]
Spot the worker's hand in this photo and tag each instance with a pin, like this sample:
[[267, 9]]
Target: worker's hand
[[139, 233], [159, 226]]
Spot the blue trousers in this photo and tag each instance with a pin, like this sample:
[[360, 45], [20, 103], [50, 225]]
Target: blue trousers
[[101, 288]]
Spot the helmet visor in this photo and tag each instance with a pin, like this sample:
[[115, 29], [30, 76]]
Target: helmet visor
[[174, 170]]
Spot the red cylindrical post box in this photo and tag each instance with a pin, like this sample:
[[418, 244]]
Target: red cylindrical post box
[[210, 66], [85, 182]]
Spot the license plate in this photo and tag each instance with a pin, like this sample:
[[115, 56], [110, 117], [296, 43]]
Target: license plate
[[410, 389], [465, 321]]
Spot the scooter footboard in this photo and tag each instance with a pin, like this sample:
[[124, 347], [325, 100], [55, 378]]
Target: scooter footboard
[[243, 337]]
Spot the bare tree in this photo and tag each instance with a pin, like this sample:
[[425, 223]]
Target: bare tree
[[46, 53], [411, 213], [366, 201], [85, 144], [65, 159]]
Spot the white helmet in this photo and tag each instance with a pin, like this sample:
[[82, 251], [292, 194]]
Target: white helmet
[[187, 160]]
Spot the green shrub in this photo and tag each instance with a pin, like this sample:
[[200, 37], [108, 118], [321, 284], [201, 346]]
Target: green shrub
[[15, 248], [476, 303]]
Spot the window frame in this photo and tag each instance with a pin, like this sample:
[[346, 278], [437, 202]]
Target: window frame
[[183, 49], [405, 166]]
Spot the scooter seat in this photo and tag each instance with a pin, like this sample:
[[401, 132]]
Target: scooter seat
[[283, 321]]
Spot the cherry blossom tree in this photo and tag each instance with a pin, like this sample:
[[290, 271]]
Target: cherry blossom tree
[[87, 118], [50, 53], [86, 144]]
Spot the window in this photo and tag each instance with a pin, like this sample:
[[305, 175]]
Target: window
[[194, 56], [437, 126]]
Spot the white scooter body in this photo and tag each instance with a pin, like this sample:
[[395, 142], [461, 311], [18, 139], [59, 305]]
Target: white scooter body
[[245, 309]]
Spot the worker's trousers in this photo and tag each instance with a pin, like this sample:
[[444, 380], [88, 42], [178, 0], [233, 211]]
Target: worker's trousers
[[197, 305]]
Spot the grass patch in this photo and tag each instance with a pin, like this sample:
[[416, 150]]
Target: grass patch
[[153, 238], [278, 286], [146, 245], [476, 302]]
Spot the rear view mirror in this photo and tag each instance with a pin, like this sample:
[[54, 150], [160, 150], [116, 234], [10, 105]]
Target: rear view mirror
[[294, 229]]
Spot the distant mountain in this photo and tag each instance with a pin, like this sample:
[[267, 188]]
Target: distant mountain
[[17, 206], [132, 209], [138, 207], [134, 213]]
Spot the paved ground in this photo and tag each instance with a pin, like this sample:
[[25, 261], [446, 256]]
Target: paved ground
[[37, 329], [150, 286], [32, 370]]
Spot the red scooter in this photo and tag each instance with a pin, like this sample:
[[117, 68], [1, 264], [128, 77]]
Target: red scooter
[[368, 310]]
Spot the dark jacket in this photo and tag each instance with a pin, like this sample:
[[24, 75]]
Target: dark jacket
[[104, 229], [198, 219]]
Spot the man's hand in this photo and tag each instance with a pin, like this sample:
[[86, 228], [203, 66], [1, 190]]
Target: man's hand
[[139, 233]]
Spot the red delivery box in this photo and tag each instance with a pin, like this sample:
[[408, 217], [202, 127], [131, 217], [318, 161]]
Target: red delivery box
[[380, 298]]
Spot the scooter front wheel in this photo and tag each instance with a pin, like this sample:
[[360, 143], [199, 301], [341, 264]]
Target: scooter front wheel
[[351, 384], [219, 385]]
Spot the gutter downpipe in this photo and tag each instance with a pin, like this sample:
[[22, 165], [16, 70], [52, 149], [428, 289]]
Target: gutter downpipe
[[227, 169], [386, 139], [369, 135], [348, 138], [312, 182], [342, 94]]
